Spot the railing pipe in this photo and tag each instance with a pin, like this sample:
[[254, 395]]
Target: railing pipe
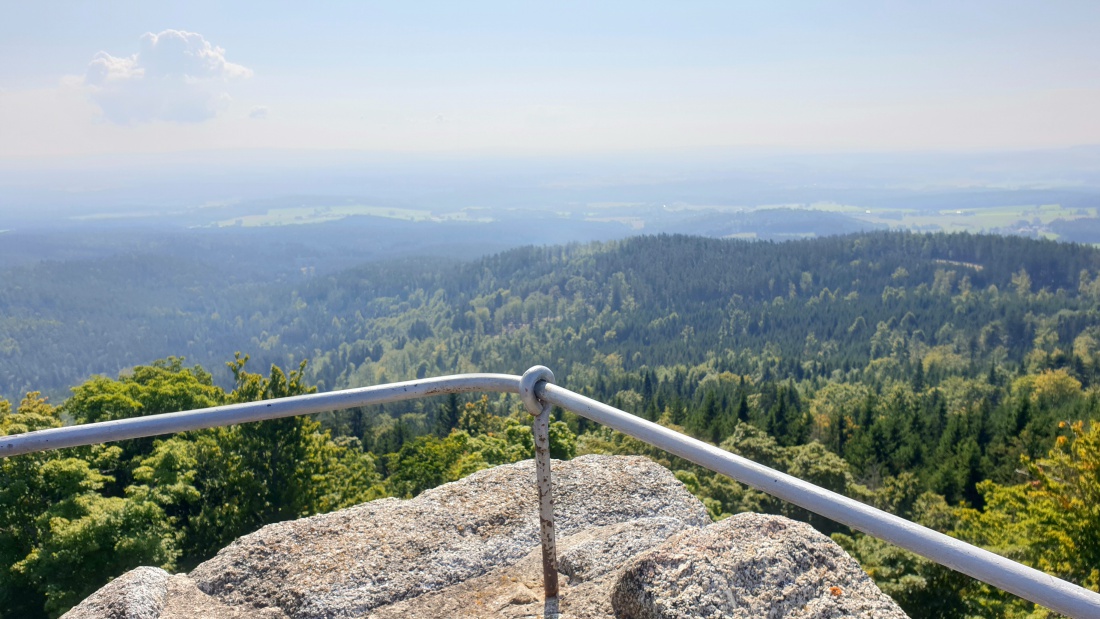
[[1028, 583], [153, 425]]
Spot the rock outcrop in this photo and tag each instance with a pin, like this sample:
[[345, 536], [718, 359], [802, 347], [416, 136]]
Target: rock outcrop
[[138, 594], [749, 565], [632, 542]]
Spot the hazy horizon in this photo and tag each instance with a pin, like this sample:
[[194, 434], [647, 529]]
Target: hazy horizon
[[493, 79], [135, 109]]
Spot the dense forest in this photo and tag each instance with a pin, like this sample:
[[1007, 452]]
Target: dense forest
[[950, 379]]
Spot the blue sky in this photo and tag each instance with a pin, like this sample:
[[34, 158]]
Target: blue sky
[[501, 78]]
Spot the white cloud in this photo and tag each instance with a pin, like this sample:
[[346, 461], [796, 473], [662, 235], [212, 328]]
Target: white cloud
[[175, 76], [258, 113]]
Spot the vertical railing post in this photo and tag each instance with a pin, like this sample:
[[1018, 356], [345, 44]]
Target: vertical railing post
[[541, 428]]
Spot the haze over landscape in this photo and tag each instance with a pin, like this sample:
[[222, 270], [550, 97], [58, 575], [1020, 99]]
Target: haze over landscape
[[141, 110], [855, 242]]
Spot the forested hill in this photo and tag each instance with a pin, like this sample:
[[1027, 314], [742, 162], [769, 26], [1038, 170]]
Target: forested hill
[[819, 305], [649, 300], [950, 379]]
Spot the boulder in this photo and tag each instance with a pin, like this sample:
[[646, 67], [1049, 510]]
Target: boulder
[[152, 593], [140, 593], [749, 565], [471, 549], [350, 562]]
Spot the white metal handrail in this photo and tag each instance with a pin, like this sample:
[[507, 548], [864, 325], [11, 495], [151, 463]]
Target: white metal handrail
[[169, 423], [539, 394]]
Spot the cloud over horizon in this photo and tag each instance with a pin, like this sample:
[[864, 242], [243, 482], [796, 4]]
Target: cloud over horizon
[[175, 76]]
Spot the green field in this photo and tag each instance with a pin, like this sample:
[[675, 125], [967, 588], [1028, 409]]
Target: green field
[[320, 214], [994, 219], [1027, 220]]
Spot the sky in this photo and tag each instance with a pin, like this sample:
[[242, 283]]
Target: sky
[[94, 79]]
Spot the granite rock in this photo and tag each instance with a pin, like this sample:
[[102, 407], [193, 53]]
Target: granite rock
[[350, 562], [590, 562], [152, 593], [140, 593], [632, 543], [749, 565]]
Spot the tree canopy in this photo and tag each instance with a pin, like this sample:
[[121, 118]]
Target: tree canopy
[[950, 379]]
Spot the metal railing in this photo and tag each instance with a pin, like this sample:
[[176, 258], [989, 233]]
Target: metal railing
[[539, 395]]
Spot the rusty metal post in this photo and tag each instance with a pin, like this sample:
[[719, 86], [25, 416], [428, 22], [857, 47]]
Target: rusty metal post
[[541, 429]]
